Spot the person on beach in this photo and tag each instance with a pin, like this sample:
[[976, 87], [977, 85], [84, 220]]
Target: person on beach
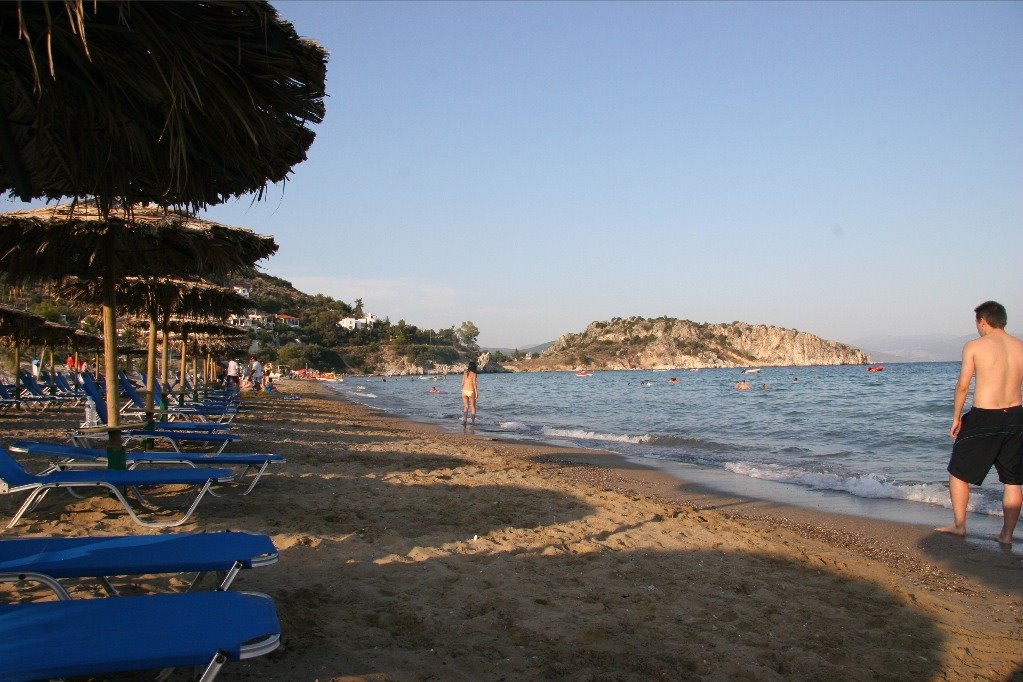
[[991, 433], [233, 375], [256, 372], [469, 392]]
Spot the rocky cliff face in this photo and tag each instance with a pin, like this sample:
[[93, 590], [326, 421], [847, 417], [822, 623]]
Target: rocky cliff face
[[640, 343], [394, 365]]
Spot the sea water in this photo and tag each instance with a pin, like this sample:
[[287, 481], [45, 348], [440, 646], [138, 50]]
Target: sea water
[[838, 437]]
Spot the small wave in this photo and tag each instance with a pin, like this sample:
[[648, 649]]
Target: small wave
[[689, 443], [364, 395], [581, 434], [869, 486], [511, 426]]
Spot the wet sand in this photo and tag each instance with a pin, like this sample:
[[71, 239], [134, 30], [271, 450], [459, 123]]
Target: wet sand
[[408, 553]]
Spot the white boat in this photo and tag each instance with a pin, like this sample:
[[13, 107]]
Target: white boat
[[753, 370]]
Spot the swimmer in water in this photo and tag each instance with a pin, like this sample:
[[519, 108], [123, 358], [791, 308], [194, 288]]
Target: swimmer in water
[[469, 392]]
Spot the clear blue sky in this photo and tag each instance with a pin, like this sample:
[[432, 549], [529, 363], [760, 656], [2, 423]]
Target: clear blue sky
[[849, 169]]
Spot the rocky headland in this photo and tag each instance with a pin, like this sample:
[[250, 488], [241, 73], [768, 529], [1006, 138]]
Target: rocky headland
[[665, 343]]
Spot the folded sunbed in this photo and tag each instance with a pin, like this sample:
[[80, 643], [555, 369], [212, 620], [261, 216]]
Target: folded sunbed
[[14, 479], [46, 640], [71, 454], [226, 553]]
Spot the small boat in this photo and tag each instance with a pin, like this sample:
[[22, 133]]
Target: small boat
[[584, 373], [875, 368], [752, 370]]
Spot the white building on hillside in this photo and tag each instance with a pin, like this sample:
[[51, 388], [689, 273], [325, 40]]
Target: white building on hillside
[[352, 323]]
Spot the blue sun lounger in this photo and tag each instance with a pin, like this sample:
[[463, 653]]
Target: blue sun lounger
[[46, 559], [136, 405], [172, 436], [86, 637], [73, 455], [14, 479]]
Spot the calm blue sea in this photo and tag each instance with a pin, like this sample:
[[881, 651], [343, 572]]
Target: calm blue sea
[[838, 432]]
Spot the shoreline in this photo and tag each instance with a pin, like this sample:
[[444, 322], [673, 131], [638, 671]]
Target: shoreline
[[767, 494], [410, 553]]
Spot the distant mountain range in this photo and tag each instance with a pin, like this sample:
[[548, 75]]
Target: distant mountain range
[[921, 348]]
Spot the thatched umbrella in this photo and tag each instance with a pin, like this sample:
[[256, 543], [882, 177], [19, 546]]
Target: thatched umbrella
[[156, 298], [173, 103], [185, 326], [51, 335], [16, 327], [34, 245], [176, 103]]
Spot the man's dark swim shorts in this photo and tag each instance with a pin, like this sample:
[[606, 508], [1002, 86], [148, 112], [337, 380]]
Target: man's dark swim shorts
[[989, 437]]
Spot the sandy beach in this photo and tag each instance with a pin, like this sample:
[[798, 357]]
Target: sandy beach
[[408, 553]]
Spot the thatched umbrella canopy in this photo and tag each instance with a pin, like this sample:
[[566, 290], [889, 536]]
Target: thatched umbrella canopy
[[173, 103], [52, 243], [183, 327], [155, 297], [176, 103], [17, 327]]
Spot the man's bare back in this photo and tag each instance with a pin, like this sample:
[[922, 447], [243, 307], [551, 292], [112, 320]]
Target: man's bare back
[[998, 361]]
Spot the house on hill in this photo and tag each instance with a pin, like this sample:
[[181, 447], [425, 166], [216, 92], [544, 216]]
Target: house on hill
[[352, 323], [288, 320], [251, 320]]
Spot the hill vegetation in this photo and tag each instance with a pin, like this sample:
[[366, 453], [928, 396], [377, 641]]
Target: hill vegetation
[[318, 342]]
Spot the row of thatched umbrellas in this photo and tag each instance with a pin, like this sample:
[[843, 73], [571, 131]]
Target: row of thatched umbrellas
[[174, 307], [132, 109]]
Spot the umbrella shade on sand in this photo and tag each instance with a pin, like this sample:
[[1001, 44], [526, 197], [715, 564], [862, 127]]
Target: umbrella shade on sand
[[176, 103]]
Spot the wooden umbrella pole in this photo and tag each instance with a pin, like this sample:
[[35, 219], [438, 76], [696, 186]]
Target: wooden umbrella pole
[[115, 448], [165, 365], [17, 372], [53, 385], [151, 367], [195, 377], [182, 366]]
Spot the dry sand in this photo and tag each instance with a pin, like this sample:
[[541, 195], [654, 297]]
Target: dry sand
[[407, 553]]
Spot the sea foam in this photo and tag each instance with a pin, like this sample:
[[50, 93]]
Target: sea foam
[[871, 486]]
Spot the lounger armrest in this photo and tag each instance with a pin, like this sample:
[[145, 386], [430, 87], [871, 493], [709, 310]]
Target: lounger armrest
[[29, 576]]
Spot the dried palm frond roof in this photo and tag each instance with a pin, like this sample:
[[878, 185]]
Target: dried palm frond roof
[[177, 103], [54, 242], [19, 325], [145, 294]]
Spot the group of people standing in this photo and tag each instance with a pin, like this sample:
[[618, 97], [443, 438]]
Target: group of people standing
[[250, 376]]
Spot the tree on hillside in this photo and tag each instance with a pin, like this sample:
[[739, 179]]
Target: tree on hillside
[[468, 333]]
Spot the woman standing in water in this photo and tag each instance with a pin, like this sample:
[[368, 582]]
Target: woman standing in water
[[469, 392]]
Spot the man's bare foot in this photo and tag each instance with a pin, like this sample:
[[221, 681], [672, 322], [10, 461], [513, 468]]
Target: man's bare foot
[[959, 531], [1004, 540]]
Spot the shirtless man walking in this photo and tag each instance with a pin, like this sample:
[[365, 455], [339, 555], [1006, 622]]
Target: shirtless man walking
[[991, 433]]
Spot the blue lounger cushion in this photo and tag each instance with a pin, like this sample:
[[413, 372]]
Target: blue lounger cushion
[[75, 452], [46, 640], [135, 554]]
